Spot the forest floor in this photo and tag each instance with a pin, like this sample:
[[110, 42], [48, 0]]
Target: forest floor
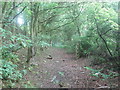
[[62, 71]]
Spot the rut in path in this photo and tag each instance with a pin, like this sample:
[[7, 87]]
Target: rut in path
[[60, 71]]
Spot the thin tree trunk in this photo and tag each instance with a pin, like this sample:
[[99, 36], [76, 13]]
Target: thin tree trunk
[[29, 56], [102, 38], [34, 16]]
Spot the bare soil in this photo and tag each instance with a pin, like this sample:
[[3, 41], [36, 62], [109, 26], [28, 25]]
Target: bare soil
[[62, 71]]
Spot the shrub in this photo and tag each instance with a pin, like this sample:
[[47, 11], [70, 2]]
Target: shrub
[[9, 73]]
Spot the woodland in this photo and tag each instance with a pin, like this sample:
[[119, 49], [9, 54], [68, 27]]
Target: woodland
[[59, 44]]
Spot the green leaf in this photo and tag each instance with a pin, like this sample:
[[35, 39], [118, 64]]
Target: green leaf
[[53, 78], [61, 73], [24, 44]]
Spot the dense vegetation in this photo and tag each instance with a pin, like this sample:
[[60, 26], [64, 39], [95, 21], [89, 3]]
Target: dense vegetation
[[85, 29]]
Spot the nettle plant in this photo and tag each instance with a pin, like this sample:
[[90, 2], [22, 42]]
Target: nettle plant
[[9, 72]]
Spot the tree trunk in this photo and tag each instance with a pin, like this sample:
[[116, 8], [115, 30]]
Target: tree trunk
[[78, 52], [29, 56], [32, 50], [78, 55]]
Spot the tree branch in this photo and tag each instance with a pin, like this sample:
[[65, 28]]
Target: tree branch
[[14, 16], [102, 37], [18, 14], [73, 19], [14, 8]]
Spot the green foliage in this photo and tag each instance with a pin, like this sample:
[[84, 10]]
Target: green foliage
[[9, 73], [86, 29], [99, 74], [97, 60], [59, 45], [61, 73], [27, 84], [43, 44], [42, 41], [70, 47], [85, 46], [12, 43]]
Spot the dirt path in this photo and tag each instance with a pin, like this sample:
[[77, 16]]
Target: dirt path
[[60, 71]]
